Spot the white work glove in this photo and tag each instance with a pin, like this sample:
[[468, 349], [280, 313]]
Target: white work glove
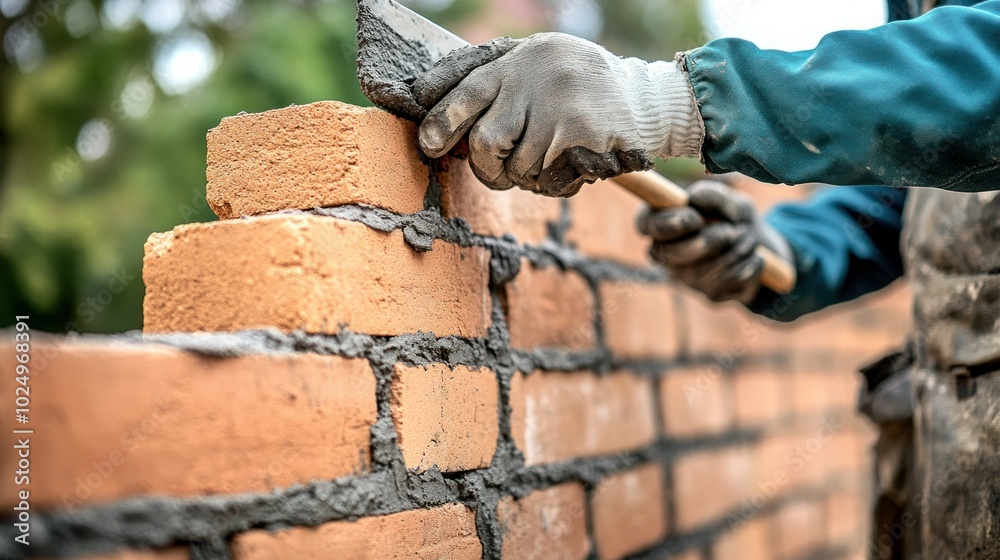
[[714, 257], [555, 112]]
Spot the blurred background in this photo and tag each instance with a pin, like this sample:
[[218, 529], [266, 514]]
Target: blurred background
[[106, 105]]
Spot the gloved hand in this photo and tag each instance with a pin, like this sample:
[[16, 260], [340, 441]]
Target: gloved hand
[[714, 257], [555, 112]]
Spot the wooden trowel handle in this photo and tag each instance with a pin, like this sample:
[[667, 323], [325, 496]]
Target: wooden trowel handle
[[660, 192]]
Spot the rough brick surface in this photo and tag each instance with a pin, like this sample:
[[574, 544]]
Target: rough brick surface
[[321, 154], [751, 540], [710, 484], [124, 421], [603, 224], [444, 532], [445, 417], [629, 512], [523, 214], [546, 524], [550, 307], [639, 320], [310, 273], [696, 401], [559, 416], [760, 396], [800, 529]]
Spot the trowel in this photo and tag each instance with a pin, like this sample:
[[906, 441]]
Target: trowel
[[395, 45]]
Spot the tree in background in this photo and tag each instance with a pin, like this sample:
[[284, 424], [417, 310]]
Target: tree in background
[[106, 104]]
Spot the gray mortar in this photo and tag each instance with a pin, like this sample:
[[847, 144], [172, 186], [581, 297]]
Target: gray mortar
[[387, 64]]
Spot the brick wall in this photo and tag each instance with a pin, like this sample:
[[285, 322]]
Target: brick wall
[[387, 360]]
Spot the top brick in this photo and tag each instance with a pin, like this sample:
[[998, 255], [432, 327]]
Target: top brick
[[321, 154]]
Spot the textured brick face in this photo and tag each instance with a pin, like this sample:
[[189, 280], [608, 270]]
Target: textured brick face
[[603, 225], [123, 421], [695, 401], [751, 540], [321, 154], [559, 416], [760, 396], [445, 417], [523, 214], [444, 532], [639, 320], [550, 308], [546, 524], [307, 273], [710, 484], [629, 512]]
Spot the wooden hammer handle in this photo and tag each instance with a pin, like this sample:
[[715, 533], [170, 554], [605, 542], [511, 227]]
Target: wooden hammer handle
[[660, 192]]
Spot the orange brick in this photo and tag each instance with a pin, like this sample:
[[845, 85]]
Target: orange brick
[[724, 332], [846, 514], [444, 532], [843, 389], [629, 512], [792, 460], [639, 320], [696, 401], [800, 529], [560, 416], [761, 396], [445, 417], [750, 540], [848, 451], [710, 485], [310, 273], [174, 553], [550, 307], [810, 393], [134, 420], [322, 154], [603, 225], [524, 214], [546, 524]]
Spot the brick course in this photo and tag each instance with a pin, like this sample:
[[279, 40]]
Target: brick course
[[559, 416], [305, 273], [444, 532], [125, 421]]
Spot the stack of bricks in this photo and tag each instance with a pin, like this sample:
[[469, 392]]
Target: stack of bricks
[[385, 359]]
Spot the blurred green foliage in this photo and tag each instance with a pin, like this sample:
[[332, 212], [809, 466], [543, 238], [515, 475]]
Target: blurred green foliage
[[72, 229]]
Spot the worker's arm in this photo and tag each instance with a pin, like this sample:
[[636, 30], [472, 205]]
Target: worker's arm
[[909, 103], [846, 245]]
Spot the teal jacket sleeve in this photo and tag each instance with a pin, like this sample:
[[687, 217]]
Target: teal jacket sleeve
[[908, 103], [846, 244]]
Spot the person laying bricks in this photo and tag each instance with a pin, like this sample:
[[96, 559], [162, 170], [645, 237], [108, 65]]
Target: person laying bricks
[[913, 102]]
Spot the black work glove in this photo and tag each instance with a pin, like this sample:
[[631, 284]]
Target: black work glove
[[710, 244]]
